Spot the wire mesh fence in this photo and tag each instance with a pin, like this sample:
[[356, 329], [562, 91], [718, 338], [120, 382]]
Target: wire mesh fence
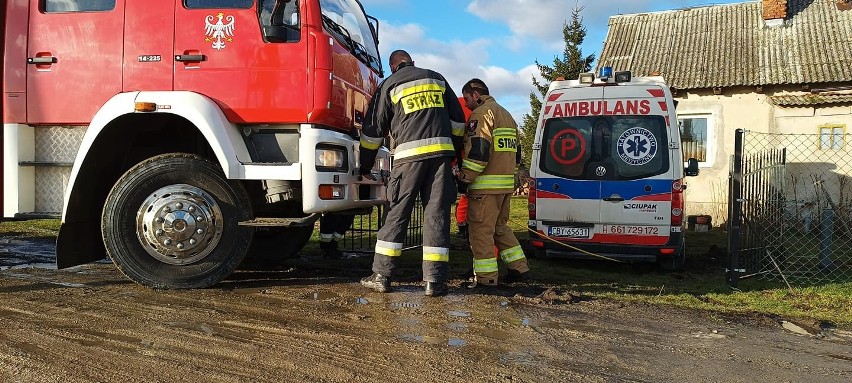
[[790, 206]]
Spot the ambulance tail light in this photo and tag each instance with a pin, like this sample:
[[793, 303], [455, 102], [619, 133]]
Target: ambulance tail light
[[677, 203], [531, 200]]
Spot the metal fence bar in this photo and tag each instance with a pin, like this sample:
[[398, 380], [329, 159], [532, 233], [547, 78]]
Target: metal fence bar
[[735, 209], [361, 237]]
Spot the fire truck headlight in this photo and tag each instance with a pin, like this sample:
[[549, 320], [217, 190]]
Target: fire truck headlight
[[330, 158]]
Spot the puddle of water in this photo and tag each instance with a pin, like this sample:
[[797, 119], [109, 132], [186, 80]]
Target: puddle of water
[[44, 280], [456, 326], [452, 342], [27, 253], [31, 265], [322, 295], [504, 304], [496, 334], [406, 305], [525, 322], [459, 313], [361, 301], [523, 358]]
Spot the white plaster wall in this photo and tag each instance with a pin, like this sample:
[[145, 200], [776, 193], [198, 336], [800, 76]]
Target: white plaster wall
[[749, 110]]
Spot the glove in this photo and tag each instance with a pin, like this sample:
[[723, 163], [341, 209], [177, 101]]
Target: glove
[[461, 186]]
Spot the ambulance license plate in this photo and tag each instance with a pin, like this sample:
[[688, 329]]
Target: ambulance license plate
[[568, 232]]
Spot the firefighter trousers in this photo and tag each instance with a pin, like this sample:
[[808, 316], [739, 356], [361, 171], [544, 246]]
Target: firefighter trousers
[[488, 225], [432, 180]]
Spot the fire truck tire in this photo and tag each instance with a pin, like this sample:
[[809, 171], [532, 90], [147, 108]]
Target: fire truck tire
[[675, 262], [272, 245], [171, 222]]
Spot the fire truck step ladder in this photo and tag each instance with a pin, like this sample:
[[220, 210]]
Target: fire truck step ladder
[[285, 222]]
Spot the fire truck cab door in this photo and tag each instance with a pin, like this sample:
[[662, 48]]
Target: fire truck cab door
[[74, 57], [252, 63], [148, 45]]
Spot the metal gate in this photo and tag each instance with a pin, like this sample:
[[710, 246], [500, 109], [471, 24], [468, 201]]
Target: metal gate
[[361, 238], [789, 208]]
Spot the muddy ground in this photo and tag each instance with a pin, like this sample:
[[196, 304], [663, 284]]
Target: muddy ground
[[304, 324]]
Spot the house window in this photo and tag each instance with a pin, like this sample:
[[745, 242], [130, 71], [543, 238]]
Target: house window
[[696, 138], [831, 137]]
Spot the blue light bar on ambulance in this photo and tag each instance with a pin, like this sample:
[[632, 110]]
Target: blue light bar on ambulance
[[605, 73]]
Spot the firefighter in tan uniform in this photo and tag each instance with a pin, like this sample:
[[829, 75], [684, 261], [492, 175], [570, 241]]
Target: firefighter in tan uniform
[[488, 175]]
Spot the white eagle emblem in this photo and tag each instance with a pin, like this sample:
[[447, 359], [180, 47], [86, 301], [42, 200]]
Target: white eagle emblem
[[219, 32]]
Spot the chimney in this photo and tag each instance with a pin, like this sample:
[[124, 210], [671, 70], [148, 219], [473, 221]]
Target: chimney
[[774, 12]]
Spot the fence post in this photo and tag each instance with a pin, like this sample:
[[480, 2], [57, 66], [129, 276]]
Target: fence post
[[826, 239], [735, 209]]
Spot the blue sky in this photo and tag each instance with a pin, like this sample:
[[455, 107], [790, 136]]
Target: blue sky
[[498, 40]]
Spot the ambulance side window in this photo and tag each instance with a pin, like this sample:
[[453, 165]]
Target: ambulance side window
[[61, 6], [216, 4]]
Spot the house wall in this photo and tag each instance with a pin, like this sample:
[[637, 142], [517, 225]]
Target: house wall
[[745, 108]]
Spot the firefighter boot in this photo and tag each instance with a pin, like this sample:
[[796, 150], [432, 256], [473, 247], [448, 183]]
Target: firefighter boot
[[329, 250], [436, 289], [377, 282], [516, 276]]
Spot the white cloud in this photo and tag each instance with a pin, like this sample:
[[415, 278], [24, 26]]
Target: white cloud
[[460, 61]]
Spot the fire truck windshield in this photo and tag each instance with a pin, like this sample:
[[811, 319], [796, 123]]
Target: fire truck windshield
[[346, 19]]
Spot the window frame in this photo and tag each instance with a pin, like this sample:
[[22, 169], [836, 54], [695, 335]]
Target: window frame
[[832, 135], [43, 7], [710, 139], [250, 5]]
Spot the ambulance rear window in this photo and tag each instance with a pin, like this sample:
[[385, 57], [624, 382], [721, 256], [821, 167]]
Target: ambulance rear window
[[605, 147]]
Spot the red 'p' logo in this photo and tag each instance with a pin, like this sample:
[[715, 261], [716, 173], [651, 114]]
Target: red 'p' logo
[[567, 146]]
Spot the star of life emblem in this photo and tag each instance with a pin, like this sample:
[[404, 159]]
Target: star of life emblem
[[637, 146], [220, 31]]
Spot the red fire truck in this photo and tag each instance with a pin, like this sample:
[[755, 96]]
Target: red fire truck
[[177, 135]]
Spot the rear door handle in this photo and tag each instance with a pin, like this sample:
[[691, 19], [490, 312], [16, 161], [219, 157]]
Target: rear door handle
[[613, 199], [41, 60], [190, 58]]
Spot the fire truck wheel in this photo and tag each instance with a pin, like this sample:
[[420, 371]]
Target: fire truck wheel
[[272, 245], [172, 221]]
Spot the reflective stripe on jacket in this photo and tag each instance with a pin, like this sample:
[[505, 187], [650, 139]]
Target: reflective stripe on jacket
[[421, 114]]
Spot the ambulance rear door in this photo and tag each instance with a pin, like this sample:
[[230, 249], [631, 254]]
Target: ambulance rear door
[[568, 197], [636, 189]]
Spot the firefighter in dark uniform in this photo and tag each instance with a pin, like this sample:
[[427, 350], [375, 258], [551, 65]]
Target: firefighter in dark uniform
[[488, 175], [420, 112]]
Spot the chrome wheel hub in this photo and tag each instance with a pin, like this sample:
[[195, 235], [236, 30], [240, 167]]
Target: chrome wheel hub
[[179, 224]]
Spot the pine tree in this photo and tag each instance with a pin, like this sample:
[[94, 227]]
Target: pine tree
[[569, 66]]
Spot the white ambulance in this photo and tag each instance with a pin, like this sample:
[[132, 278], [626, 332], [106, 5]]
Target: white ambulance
[[607, 171]]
